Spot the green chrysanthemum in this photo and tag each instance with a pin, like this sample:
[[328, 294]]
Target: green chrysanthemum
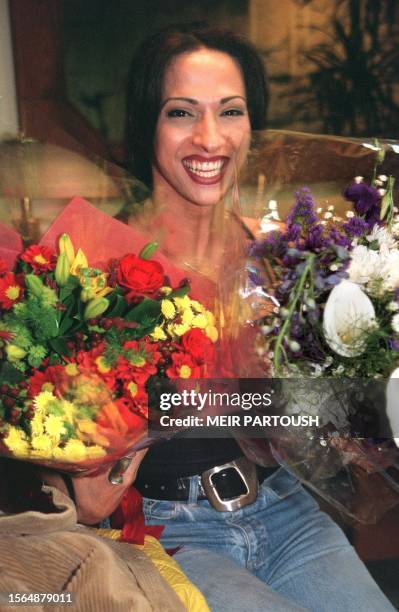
[[36, 355]]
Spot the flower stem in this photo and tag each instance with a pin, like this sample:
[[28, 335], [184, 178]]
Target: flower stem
[[285, 327]]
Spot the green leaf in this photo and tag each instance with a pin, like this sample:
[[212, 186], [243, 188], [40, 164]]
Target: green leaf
[[118, 307], [59, 346], [148, 310], [71, 285], [180, 292], [9, 374]]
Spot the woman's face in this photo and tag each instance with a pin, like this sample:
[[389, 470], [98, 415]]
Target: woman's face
[[203, 129]]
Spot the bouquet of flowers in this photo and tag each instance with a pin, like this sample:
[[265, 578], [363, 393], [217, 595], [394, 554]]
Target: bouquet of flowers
[[332, 326], [86, 334]]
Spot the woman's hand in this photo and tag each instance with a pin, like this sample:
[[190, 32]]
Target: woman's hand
[[95, 495]]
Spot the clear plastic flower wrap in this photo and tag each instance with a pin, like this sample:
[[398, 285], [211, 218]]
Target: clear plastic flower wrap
[[322, 282]]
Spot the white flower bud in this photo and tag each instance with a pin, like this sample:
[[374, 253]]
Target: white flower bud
[[272, 205], [382, 192], [319, 210], [383, 178], [328, 215], [294, 346], [350, 214], [358, 179], [331, 207]]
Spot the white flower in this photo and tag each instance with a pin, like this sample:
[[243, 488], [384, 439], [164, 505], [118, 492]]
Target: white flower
[[383, 237], [358, 179], [395, 323], [331, 208], [348, 314], [393, 306], [272, 205], [392, 404], [364, 265], [328, 215], [319, 210], [383, 178], [350, 214]]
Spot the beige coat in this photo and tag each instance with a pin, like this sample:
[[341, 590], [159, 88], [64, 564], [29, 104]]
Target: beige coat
[[45, 553]]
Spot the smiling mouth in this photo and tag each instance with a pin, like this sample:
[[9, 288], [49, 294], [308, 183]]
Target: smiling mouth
[[212, 170]]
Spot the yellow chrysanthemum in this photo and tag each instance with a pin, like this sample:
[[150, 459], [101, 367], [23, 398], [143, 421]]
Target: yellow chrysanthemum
[[69, 410], [102, 365], [37, 425], [209, 317], [42, 401], [212, 333], [168, 309], [42, 443], [185, 371], [179, 329], [74, 450], [158, 333], [187, 316], [199, 321], [182, 302], [16, 441], [71, 369], [196, 306], [54, 426]]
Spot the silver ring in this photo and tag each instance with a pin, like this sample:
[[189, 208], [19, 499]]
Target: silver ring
[[115, 476]]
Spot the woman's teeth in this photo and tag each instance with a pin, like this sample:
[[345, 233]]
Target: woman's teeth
[[204, 169]]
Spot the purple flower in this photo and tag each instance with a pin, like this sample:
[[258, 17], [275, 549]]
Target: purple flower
[[394, 345], [366, 201], [293, 232], [339, 239], [303, 212], [356, 226]]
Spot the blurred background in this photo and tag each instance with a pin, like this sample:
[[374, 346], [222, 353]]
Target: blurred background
[[333, 65]]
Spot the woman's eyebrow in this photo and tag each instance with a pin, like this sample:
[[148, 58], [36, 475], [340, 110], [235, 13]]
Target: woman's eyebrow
[[183, 99], [229, 98], [193, 101]]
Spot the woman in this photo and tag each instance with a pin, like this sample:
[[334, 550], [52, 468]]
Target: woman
[[195, 95]]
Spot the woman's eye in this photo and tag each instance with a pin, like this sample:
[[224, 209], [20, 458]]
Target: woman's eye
[[178, 112], [233, 112]]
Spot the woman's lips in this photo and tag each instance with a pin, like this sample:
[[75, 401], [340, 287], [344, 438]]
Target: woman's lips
[[205, 171]]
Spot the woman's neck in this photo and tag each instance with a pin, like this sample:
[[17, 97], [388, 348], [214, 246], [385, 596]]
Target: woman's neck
[[190, 234]]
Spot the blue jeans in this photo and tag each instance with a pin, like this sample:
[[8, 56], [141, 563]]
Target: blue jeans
[[279, 554]]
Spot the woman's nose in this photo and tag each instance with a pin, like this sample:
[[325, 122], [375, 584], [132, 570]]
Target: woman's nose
[[208, 134]]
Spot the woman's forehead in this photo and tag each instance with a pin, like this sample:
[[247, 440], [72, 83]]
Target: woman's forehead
[[203, 74]]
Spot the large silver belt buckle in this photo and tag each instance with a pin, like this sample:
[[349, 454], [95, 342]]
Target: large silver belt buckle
[[246, 470]]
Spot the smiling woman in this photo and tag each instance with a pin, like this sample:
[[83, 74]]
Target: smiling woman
[[195, 95], [203, 130]]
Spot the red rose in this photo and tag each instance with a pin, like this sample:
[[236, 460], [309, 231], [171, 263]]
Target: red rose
[[139, 276], [199, 346]]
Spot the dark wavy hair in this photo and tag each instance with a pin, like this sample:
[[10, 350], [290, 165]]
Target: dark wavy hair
[[146, 77]]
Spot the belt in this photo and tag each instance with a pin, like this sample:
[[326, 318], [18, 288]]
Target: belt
[[227, 487]]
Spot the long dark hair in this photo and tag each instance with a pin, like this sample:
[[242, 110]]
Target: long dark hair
[[147, 72]]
